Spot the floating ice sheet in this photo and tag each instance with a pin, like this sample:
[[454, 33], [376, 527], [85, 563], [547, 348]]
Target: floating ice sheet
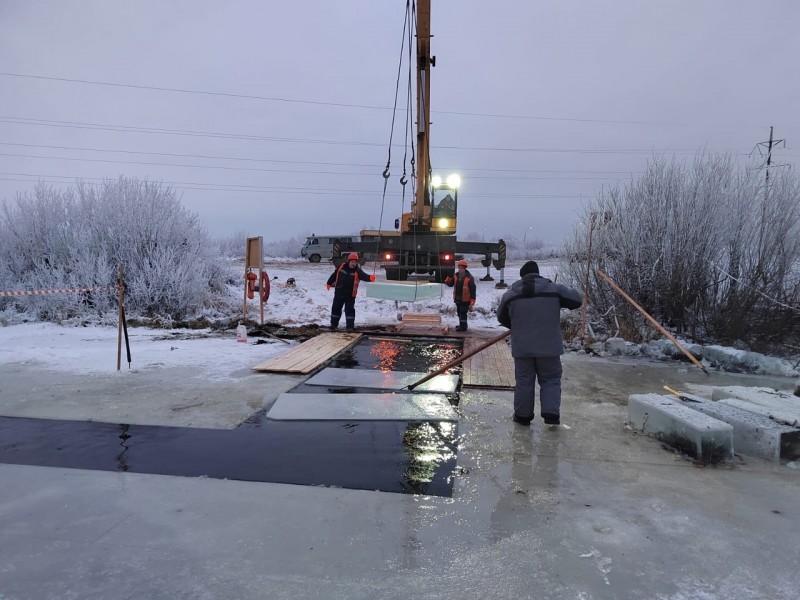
[[410, 291], [383, 380], [362, 407]]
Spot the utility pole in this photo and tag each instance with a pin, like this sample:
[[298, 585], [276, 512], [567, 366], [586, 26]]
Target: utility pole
[[772, 143]]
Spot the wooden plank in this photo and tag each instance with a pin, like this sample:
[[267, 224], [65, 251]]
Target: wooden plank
[[422, 318], [491, 368], [427, 321], [310, 354]]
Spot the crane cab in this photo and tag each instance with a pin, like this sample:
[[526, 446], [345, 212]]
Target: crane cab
[[439, 214]]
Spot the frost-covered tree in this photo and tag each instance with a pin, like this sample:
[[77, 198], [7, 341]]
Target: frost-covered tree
[[76, 238], [704, 248]]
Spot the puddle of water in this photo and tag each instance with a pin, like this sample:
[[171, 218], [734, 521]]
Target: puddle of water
[[422, 355], [374, 455]]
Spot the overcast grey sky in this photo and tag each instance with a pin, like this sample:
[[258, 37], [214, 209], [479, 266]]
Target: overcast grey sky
[[537, 105]]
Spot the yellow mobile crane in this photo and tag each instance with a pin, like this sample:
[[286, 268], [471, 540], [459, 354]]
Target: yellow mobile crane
[[426, 243]]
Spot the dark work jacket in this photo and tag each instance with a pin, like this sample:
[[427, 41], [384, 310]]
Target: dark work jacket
[[532, 310], [345, 280], [463, 289]]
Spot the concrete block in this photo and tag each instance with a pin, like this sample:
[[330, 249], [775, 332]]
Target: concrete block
[[753, 434], [783, 405], [693, 432]]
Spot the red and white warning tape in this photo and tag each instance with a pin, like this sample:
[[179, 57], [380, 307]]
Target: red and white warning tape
[[64, 291]]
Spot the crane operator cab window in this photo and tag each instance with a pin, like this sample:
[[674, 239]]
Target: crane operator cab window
[[444, 203], [444, 210]]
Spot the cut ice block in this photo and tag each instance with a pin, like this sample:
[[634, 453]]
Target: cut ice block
[[383, 380], [404, 291], [362, 407]]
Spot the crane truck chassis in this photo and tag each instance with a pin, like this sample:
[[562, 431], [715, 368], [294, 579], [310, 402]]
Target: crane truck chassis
[[428, 254]]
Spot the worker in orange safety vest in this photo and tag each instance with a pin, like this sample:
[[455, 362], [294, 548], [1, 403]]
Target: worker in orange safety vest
[[463, 284], [344, 281]]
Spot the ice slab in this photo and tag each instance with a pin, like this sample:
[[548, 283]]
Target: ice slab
[[362, 407], [404, 291], [383, 380]]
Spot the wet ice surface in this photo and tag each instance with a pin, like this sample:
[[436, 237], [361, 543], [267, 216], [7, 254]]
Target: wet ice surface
[[350, 440]]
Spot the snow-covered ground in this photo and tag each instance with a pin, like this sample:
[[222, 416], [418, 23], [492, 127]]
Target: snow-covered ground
[[93, 349], [309, 302]]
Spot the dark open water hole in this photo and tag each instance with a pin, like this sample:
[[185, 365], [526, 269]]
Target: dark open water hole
[[391, 456]]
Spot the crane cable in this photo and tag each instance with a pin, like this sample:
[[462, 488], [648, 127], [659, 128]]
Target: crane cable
[[386, 172]]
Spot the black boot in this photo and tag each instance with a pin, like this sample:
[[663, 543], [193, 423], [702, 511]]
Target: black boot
[[526, 421], [551, 418]]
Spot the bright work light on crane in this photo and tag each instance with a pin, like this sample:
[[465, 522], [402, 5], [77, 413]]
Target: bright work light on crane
[[436, 181], [454, 181], [443, 223]]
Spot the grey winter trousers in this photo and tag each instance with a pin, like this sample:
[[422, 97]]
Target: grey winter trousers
[[547, 370]]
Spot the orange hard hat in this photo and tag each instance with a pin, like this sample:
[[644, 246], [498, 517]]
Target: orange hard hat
[[461, 263], [352, 256]]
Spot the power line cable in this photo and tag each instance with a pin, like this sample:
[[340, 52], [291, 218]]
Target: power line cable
[[163, 131], [321, 103], [295, 162], [262, 170], [254, 188]]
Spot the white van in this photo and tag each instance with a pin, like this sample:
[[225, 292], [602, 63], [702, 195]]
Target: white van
[[318, 247]]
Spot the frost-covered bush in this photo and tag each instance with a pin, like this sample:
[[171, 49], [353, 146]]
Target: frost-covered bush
[[77, 238], [704, 248]]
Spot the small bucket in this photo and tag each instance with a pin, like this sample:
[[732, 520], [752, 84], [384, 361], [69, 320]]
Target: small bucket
[[241, 334]]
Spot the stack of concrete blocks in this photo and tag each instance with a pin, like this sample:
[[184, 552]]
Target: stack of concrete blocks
[[765, 423]]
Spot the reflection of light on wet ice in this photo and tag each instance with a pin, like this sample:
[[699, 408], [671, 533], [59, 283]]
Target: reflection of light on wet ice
[[429, 457], [386, 354]]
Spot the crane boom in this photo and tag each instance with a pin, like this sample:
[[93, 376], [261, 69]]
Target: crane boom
[[426, 242], [420, 211]]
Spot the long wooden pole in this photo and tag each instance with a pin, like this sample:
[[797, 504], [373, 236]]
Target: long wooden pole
[[120, 284], [461, 359], [653, 321], [586, 280]]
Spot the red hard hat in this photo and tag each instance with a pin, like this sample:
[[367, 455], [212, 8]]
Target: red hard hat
[[461, 263], [352, 256]]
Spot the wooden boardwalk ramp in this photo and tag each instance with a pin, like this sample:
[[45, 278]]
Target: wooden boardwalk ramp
[[310, 354], [492, 368]]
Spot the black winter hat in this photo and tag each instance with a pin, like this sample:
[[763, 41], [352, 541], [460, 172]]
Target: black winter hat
[[528, 268]]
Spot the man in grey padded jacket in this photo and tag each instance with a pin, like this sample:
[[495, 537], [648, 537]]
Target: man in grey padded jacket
[[532, 310]]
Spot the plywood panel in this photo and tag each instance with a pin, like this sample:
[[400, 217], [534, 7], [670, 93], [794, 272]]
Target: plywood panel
[[491, 368], [310, 354]]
